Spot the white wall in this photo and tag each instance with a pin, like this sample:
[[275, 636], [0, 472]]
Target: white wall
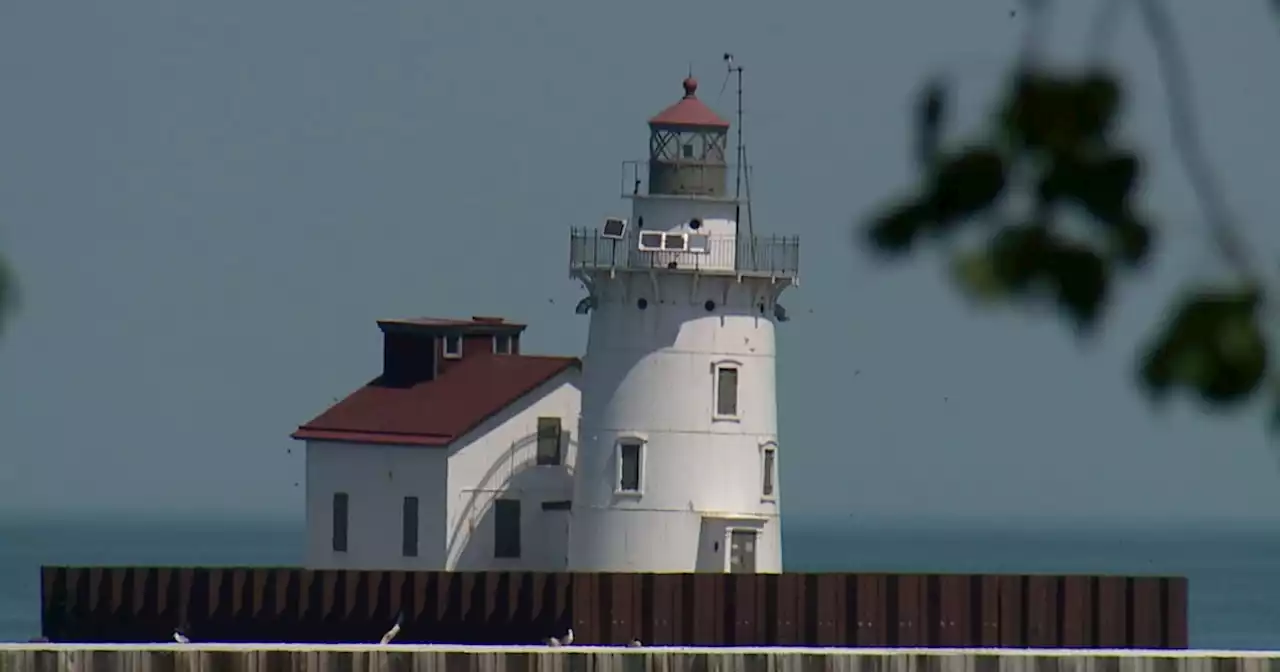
[[498, 459], [454, 487], [665, 213], [376, 480], [649, 374]]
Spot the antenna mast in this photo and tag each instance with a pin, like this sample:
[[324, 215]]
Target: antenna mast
[[741, 159]]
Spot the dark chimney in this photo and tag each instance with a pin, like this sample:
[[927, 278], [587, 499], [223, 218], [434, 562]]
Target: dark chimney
[[412, 348], [408, 358]]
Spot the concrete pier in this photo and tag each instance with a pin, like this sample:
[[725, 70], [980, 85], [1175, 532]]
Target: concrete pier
[[416, 658]]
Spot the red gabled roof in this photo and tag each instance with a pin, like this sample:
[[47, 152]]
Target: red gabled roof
[[689, 111], [436, 412]]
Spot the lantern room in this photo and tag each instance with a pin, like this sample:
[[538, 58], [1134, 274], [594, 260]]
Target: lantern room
[[687, 148]]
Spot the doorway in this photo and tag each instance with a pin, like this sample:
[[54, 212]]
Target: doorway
[[742, 551]]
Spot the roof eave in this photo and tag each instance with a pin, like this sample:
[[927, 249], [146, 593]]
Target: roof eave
[[373, 438], [464, 328]]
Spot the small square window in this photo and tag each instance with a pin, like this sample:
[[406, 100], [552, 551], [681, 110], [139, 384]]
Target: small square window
[[549, 430], [769, 467], [726, 391], [686, 150], [506, 528], [502, 344], [452, 347], [630, 466]]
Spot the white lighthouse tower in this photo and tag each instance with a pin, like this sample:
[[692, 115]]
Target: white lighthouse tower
[[677, 469]]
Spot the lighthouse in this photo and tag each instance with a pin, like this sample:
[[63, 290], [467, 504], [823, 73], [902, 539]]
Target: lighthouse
[[678, 447]]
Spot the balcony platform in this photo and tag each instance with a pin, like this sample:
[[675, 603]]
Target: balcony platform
[[773, 257]]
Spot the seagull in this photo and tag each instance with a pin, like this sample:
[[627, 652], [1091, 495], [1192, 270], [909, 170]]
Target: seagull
[[568, 639], [395, 630], [634, 642], [179, 637]]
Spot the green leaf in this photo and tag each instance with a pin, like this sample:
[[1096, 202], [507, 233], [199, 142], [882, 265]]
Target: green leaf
[[893, 231], [1096, 104], [1082, 279], [1103, 185], [1131, 239], [966, 184], [1061, 114], [975, 273], [1019, 255], [1213, 346]]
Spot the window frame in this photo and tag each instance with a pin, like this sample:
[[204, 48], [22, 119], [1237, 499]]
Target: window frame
[[716, 368], [340, 535], [503, 338], [409, 533], [769, 471], [502, 550], [444, 346], [641, 443], [559, 443]]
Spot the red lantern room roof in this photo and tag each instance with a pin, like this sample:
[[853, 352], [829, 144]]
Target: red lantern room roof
[[689, 111]]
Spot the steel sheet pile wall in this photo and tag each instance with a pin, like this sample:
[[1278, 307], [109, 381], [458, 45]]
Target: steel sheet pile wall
[[406, 659], [144, 604]]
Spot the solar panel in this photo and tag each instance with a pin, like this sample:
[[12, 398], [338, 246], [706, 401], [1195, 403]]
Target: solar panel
[[614, 227]]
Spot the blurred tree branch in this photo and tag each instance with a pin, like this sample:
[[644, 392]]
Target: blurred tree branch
[[8, 293], [1052, 144]]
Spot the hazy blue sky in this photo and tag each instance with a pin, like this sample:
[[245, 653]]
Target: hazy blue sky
[[210, 203]]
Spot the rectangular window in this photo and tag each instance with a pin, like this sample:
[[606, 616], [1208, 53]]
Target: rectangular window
[[629, 467], [687, 151], [770, 461], [650, 241], [340, 522], [727, 391], [506, 528], [452, 347], [502, 345], [409, 533], [548, 442]]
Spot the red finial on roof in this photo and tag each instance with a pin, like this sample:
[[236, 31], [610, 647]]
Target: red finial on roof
[[689, 111]]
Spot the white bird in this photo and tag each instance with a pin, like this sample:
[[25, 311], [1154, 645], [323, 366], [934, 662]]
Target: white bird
[[635, 642], [395, 630], [180, 638], [566, 641]]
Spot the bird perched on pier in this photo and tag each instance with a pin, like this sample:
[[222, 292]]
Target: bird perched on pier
[[395, 630], [565, 641], [635, 642], [179, 637]]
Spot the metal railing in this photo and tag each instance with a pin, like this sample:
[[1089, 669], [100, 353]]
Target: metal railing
[[635, 177], [774, 256]]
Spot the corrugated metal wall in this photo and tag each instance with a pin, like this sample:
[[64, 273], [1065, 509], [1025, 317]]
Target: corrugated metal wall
[[144, 604]]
